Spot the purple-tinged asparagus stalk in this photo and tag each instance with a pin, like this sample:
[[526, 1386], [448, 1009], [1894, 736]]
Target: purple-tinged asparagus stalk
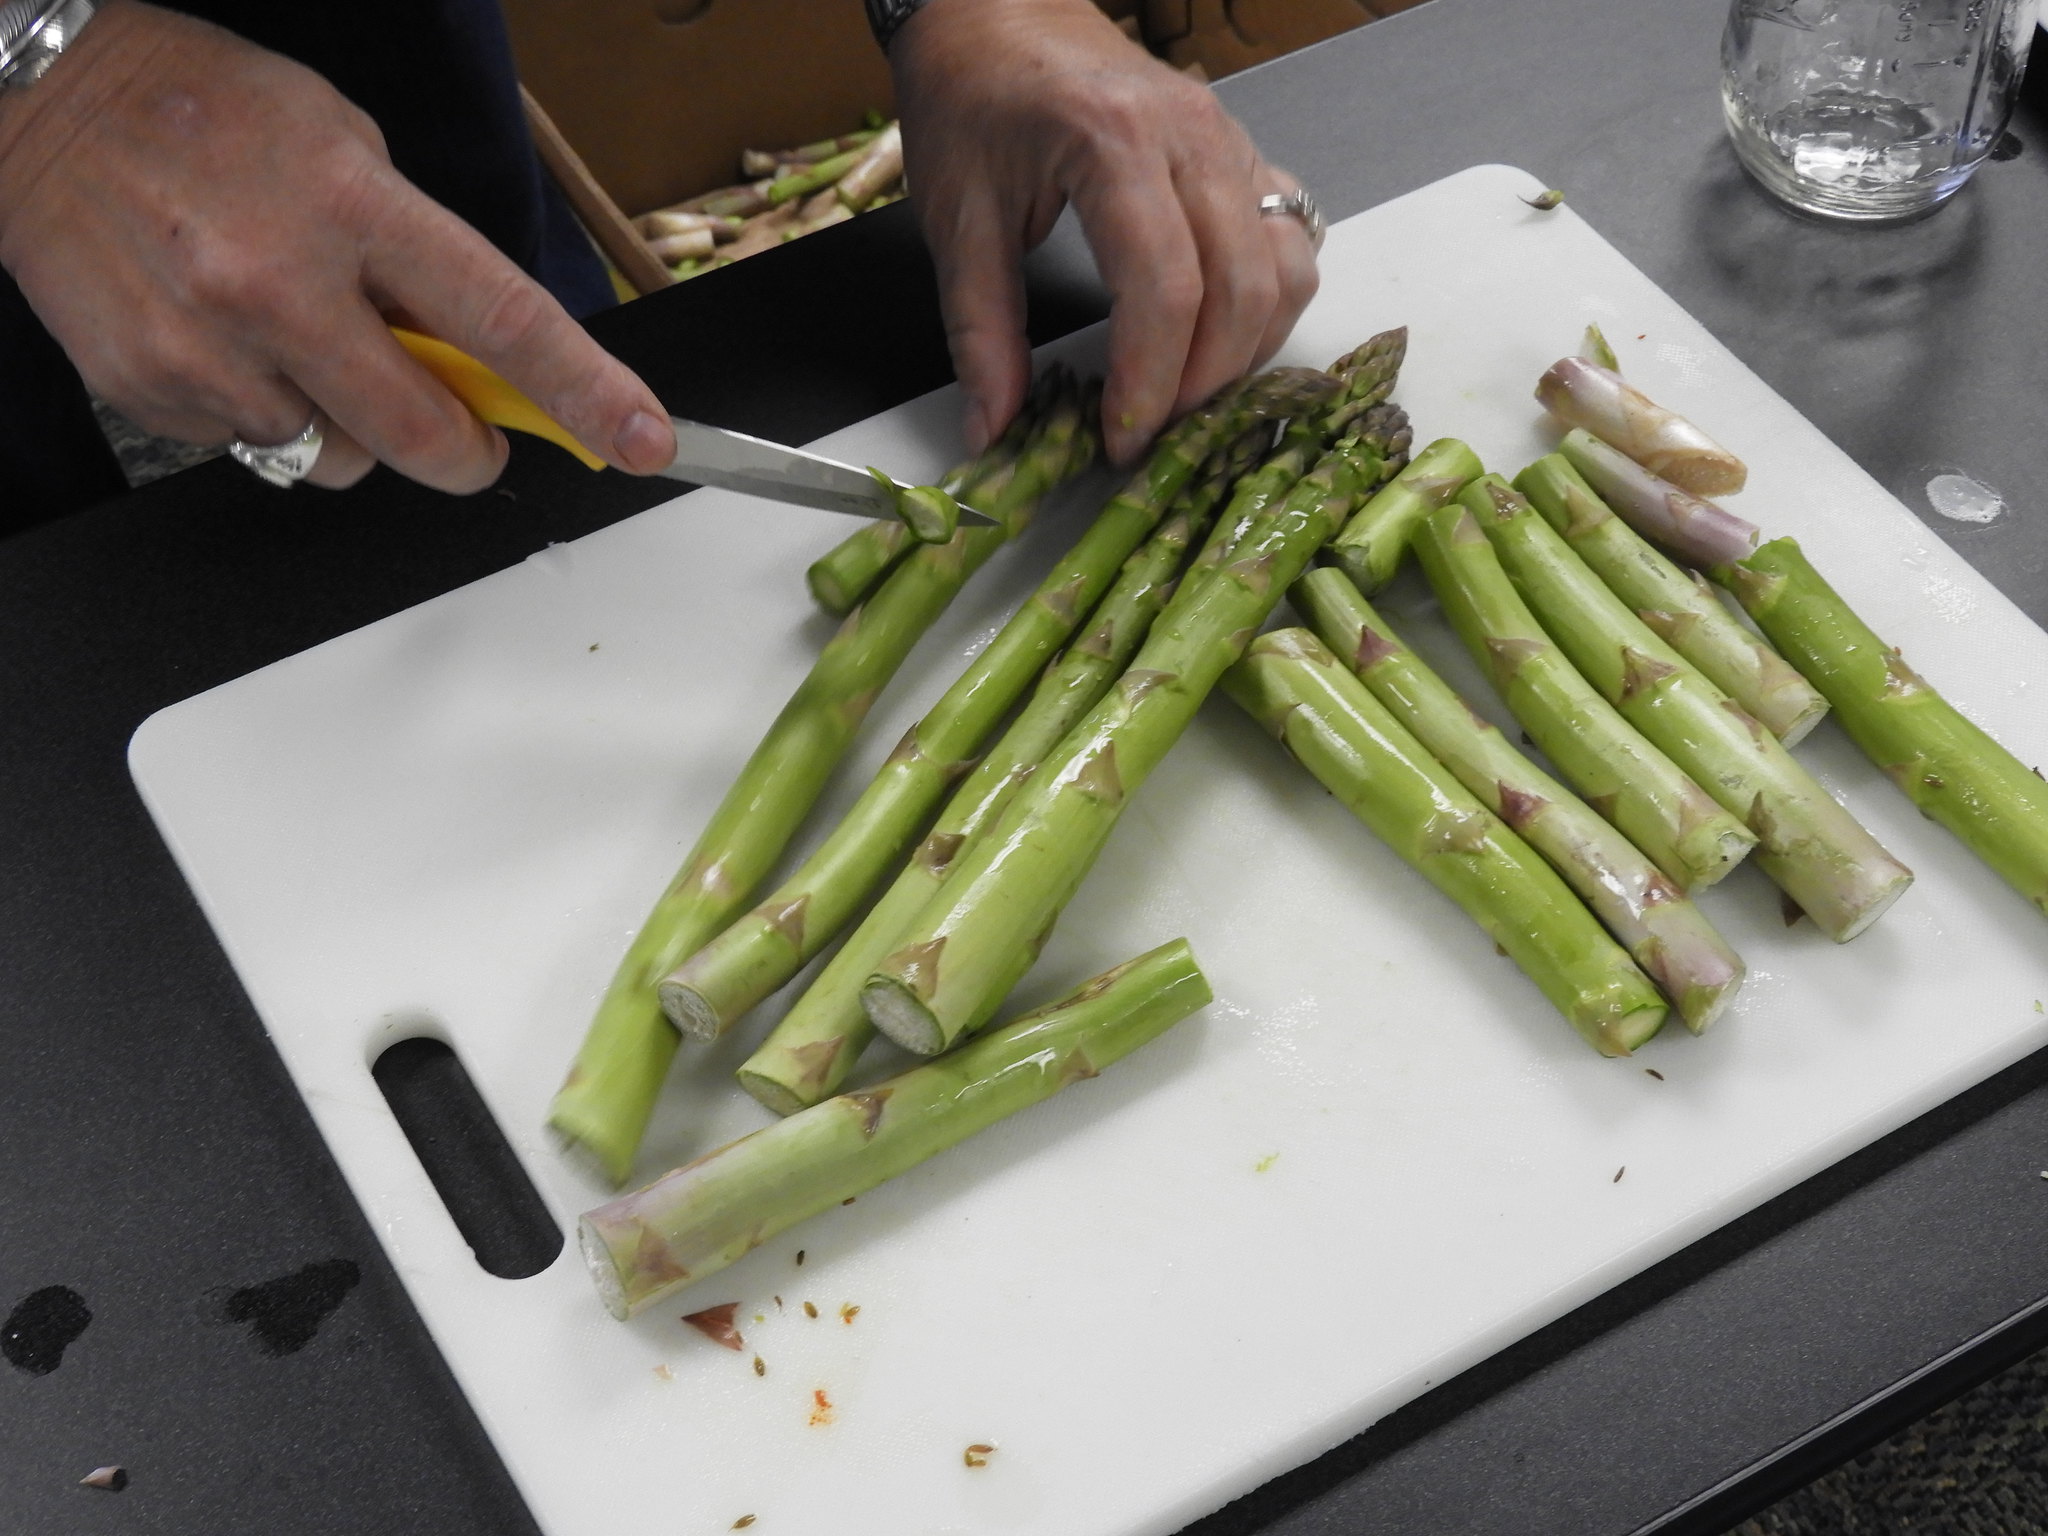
[[1698, 532], [1582, 394]]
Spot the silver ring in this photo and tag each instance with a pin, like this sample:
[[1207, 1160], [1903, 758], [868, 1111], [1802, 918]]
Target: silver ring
[[282, 464], [1296, 205]]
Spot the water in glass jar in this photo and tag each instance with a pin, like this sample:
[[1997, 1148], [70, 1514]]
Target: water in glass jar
[[1870, 109]]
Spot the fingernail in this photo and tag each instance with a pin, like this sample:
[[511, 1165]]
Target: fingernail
[[646, 444]]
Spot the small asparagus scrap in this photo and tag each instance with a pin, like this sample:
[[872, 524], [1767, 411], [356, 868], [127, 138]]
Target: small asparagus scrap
[[603, 1107], [693, 1222], [1679, 605], [1698, 532], [1669, 937], [812, 178], [1622, 776], [1584, 394], [1370, 548], [757, 954], [1544, 201], [1945, 763], [1812, 848], [931, 515], [1332, 725], [980, 932], [1595, 350], [881, 163]]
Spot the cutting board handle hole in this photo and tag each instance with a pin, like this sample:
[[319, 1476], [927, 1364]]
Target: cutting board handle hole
[[472, 1167]]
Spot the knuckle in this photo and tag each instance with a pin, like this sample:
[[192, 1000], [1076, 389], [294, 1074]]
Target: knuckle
[[511, 314]]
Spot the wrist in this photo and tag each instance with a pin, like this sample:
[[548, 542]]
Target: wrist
[[95, 62]]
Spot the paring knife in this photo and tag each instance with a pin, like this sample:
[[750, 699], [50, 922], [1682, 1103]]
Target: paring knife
[[705, 455]]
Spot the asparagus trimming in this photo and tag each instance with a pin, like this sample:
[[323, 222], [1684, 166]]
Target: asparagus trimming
[[708, 992], [1582, 394], [1333, 726], [979, 933], [693, 1222], [814, 178], [881, 163], [810, 1051], [1622, 776], [1949, 766], [603, 1107], [1811, 847], [1679, 605], [1698, 532], [1666, 934], [1370, 547]]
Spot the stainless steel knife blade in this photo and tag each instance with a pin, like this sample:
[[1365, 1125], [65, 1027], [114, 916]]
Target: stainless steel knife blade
[[707, 455]]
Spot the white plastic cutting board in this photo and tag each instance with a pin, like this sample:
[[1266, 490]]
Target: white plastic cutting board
[[1378, 1158]]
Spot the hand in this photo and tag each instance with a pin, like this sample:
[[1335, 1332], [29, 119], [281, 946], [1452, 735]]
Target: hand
[[216, 238], [1014, 108]]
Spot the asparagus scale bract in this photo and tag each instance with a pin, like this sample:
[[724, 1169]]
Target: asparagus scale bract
[[693, 1222], [603, 1108], [1680, 606], [1945, 763], [1815, 851], [1332, 725], [756, 955], [980, 932], [815, 1045], [1622, 776], [1666, 934]]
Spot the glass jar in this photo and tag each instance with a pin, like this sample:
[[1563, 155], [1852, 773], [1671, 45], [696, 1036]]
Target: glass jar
[[1870, 109]]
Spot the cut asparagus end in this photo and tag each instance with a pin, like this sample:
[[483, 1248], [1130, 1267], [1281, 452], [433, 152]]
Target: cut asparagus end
[[776, 1097], [927, 511], [1582, 393], [897, 1013], [689, 1010], [604, 1273]]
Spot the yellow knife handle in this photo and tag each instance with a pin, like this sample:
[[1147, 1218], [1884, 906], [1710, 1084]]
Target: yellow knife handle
[[488, 396]]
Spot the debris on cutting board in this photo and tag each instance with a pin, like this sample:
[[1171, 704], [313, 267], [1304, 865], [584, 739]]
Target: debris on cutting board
[[112, 1479]]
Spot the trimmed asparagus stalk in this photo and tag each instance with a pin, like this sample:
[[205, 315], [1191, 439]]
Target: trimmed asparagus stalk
[[1668, 936], [741, 201], [814, 178], [881, 162], [1583, 394], [978, 934], [810, 1051], [1814, 850], [1627, 780], [931, 515], [693, 1222], [763, 231], [603, 1108], [1333, 726], [1697, 532], [1679, 605], [709, 991], [1370, 547], [1947, 765]]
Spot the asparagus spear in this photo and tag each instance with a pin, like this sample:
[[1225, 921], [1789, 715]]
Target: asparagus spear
[[1679, 605], [1697, 532], [1368, 373], [848, 571], [808, 1054], [1332, 725], [1581, 393], [693, 1222], [978, 934], [813, 178], [1945, 763], [1668, 935], [708, 992], [1370, 547], [1623, 777], [1815, 851], [603, 1107]]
